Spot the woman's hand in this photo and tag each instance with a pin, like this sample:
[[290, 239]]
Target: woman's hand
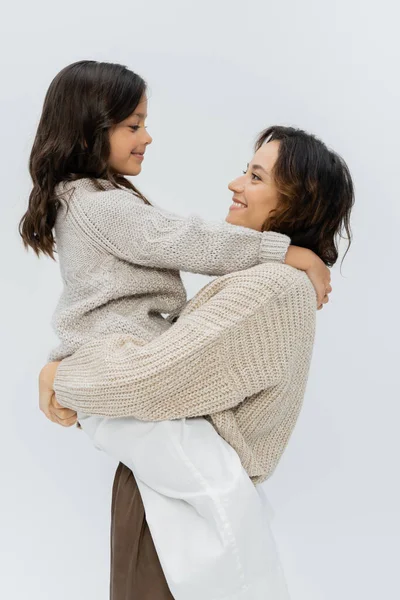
[[47, 399], [319, 274]]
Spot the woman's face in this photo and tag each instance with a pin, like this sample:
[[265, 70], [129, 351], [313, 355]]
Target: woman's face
[[254, 193], [129, 140]]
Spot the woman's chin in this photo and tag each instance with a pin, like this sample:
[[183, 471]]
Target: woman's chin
[[232, 218]]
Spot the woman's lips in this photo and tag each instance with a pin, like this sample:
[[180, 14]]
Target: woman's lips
[[237, 206]]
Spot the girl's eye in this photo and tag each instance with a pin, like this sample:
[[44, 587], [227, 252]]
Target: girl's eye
[[136, 127]]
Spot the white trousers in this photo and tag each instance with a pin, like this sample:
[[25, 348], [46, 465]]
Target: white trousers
[[209, 523]]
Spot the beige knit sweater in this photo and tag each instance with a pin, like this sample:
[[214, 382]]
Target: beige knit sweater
[[120, 260], [239, 354]]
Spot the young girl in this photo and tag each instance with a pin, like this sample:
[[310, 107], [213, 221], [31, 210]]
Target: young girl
[[119, 259]]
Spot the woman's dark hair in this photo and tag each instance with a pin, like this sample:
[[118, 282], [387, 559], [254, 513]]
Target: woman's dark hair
[[316, 192], [83, 101]]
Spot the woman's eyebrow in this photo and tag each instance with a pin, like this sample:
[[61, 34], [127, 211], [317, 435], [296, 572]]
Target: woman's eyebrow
[[259, 168]]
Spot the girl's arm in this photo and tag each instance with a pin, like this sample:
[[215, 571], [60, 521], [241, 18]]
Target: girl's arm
[[241, 334], [136, 232], [123, 225]]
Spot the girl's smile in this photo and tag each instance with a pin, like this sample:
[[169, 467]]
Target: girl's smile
[[138, 155], [125, 134]]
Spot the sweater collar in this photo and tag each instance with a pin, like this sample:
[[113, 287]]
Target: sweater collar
[[85, 183]]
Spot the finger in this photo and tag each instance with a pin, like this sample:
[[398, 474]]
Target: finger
[[47, 413], [63, 414], [64, 422], [329, 289], [321, 298], [54, 402], [52, 417], [69, 422]]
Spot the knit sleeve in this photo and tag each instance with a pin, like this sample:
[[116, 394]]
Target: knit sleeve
[[152, 237], [235, 341]]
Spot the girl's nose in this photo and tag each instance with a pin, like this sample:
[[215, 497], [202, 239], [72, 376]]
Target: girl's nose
[[148, 139]]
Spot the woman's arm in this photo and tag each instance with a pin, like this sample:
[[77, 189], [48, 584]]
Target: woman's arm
[[235, 338]]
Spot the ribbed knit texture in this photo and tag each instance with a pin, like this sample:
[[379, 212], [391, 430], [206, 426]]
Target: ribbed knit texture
[[239, 354], [120, 261]]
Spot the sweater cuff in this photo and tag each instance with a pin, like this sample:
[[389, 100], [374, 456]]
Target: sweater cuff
[[273, 246], [62, 384]]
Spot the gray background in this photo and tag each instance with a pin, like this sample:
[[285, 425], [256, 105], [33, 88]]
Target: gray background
[[219, 72]]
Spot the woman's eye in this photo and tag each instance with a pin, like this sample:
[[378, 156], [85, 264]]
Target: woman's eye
[[134, 127], [252, 175]]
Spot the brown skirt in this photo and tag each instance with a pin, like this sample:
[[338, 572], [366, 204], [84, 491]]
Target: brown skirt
[[136, 572]]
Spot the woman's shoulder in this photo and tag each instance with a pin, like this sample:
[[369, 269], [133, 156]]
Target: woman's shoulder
[[263, 283], [273, 279]]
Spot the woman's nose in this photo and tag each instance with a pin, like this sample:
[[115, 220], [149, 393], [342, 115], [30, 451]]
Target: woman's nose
[[236, 185]]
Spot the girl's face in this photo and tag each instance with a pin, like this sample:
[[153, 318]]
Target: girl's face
[[254, 193], [129, 140]]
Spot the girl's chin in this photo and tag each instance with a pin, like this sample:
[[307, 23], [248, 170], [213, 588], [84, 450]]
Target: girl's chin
[[132, 171]]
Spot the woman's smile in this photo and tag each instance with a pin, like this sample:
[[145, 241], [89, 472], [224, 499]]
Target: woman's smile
[[237, 206], [254, 193]]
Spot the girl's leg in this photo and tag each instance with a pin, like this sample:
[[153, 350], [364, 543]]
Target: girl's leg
[[136, 573]]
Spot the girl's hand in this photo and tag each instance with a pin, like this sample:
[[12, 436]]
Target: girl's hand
[[47, 399], [319, 274]]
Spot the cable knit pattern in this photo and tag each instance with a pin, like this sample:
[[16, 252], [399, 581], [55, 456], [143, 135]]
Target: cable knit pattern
[[120, 260], [239, 354]]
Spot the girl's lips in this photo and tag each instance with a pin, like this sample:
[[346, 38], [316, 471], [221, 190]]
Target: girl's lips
[[138, 156]]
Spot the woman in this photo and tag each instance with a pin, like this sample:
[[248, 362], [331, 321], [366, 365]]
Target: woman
[[300, 188]]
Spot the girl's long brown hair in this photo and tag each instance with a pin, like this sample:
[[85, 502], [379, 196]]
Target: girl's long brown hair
[[83, 101], [316, 192]]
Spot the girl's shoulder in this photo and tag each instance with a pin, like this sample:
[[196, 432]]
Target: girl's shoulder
[[86, 193], [91, 185]]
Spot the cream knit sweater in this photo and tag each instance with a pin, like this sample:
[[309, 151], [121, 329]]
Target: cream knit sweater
[[120, 261], [239, 354]]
